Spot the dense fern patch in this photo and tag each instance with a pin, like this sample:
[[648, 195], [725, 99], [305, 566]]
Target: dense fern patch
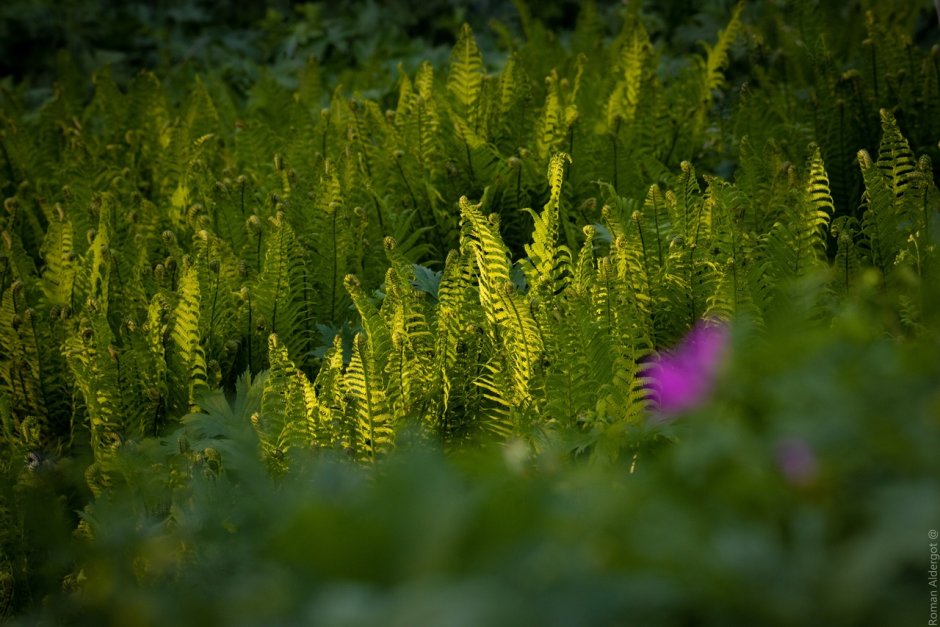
[[220, 302]]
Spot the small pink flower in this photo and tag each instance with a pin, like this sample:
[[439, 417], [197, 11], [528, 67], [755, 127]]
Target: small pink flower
[[796, 461], [682, 378]]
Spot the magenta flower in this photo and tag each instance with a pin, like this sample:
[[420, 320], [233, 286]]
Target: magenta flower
[[682, 378]]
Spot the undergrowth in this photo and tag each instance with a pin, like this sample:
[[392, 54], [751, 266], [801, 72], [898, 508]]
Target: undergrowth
[[394, 347]]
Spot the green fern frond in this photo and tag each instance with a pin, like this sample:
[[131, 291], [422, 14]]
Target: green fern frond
[[334, 413], [186, 361], [549, 265], [551, 128], [585, 271], [715, 61], [363, 384], [511, 324], [465, 80], [451, 297], [895, 157], [882, 221], [623, 101], [821, 207], [290, 413], [58, 252], [376, 336]]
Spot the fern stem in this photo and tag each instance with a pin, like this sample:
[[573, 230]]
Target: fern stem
[[155, 421], [249, 334], [378, 211], [659, 239], [926, 234], [646, 266], [414, 200], [926, 210], [401, 375], [734, 265], [6, 158], [538, 325], [570, 150], [862, 109], [936, 68], [277, 283], [614, 139], [842, 156], [610, 313], [307, 317], [473, 178], [215, 297], [122, 385], [421, 134], [335, 271], [698, 227], [39, 371], [369, 408], [908, 48], [19, 374], [365, 154], [120, 281], [258, 251], [673, 142], [846, 268]]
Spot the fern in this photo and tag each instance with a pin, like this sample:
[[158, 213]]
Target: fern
[[797, 243], [289, 413], [895, 158], [716, 59], [549, 265], [623, 101], [408, 370], [186, 361], [159, 231], [511, 324], [363, 384], [465, 80]]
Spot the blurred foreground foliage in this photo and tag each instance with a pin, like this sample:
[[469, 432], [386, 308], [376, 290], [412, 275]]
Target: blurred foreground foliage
[[317, 320], [719, 528]]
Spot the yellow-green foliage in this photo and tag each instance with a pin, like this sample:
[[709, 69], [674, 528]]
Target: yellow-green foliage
[[387, 266]]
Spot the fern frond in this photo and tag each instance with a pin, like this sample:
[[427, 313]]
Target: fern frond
[[623, 101], [882, 222], [821, 207], [511, 323], [550, 131], [186, 360], [895, 157], [58, 253], [549, 265], [363, 384], [289, 414], [451, 301], [716, 59], [465, 80]]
